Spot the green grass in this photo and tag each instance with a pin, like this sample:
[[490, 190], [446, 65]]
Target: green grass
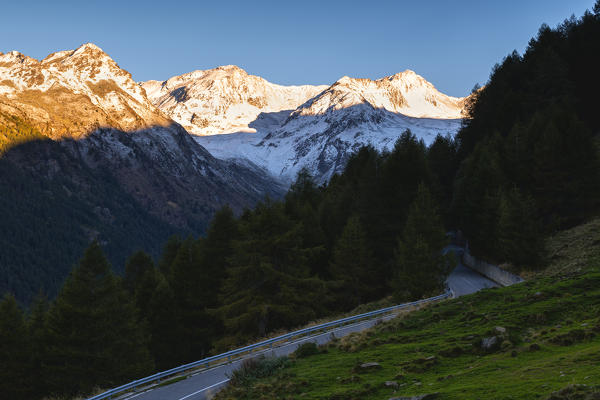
[[551, 341], [572, 249]]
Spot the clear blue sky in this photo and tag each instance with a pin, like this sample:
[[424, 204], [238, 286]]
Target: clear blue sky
[[453, 44]]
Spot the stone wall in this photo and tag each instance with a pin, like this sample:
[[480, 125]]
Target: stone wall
[[493, 272]]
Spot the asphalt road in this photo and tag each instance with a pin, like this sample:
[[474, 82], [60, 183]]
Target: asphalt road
[[204, 384]]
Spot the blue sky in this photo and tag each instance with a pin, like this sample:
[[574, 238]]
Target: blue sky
[[453, 44]]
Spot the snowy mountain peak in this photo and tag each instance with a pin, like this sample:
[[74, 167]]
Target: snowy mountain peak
[[71, 92], [344, 80], [89, 46], [225, 99], [322, 132], [404, 74], [15, 57], [231, 68]]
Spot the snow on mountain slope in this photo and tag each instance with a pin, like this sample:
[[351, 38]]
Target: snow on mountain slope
[[223, 100], [406, 93], [98, 115], [70, 93], [323, 132]]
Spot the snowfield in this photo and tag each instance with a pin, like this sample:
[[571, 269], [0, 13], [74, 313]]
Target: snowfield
[[237, 116]]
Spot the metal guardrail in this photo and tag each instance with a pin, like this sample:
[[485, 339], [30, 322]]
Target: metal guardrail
[[160, 375]]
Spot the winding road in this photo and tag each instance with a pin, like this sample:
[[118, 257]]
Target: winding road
[[204, 384]]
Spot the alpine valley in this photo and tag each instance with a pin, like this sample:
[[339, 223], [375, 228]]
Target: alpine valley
[[88, 153], [237, 116], [87, 156]]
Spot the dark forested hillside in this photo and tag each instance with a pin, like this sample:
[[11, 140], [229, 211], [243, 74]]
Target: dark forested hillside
[[128, 190], [529, 161], [318, 252], [48, 218]]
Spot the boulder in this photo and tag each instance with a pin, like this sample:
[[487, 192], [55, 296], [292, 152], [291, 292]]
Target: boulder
[[490, 343], [370, 366]]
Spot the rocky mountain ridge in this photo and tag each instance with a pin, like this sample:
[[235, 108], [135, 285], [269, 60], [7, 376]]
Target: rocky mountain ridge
[[93, 141], [224, 99], [284, 129], [71, 93]]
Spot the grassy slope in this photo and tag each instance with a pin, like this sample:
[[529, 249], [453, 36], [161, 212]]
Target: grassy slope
[[552, 340]]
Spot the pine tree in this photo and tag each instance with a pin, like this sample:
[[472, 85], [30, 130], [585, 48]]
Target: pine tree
[[565, 168], [401, 173], [14, 351], [353, 265], [301, 205], [216, 250], [443, 162], [168, 255], [476, 196], [166, 344], [421, 269], [135, 268], [94, 335], [38, 336], [268, 284], [258, 298], [141, 279], [519, 235], [187, 277]]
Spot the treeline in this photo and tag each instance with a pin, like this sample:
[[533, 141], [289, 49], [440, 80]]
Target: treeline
[[529, 152], [373, 231]]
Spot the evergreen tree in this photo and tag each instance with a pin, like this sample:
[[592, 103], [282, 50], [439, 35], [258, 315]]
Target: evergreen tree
[[566, 179], [14, 351], [94, 335], [216, 250], [141, 279], [302, 191], [353, 265], [268, 284], [38, 336], [535, 118], [168, 255], [166, 343], [135, 268], [421, 269], [259, 298], [519, 238], [476, 196], [301, 205], [187, 277], [402, 171], [443, 162]]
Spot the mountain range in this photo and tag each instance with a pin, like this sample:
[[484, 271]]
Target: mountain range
[[105, 164], [88, 153], [95, 110], [238, 116]]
